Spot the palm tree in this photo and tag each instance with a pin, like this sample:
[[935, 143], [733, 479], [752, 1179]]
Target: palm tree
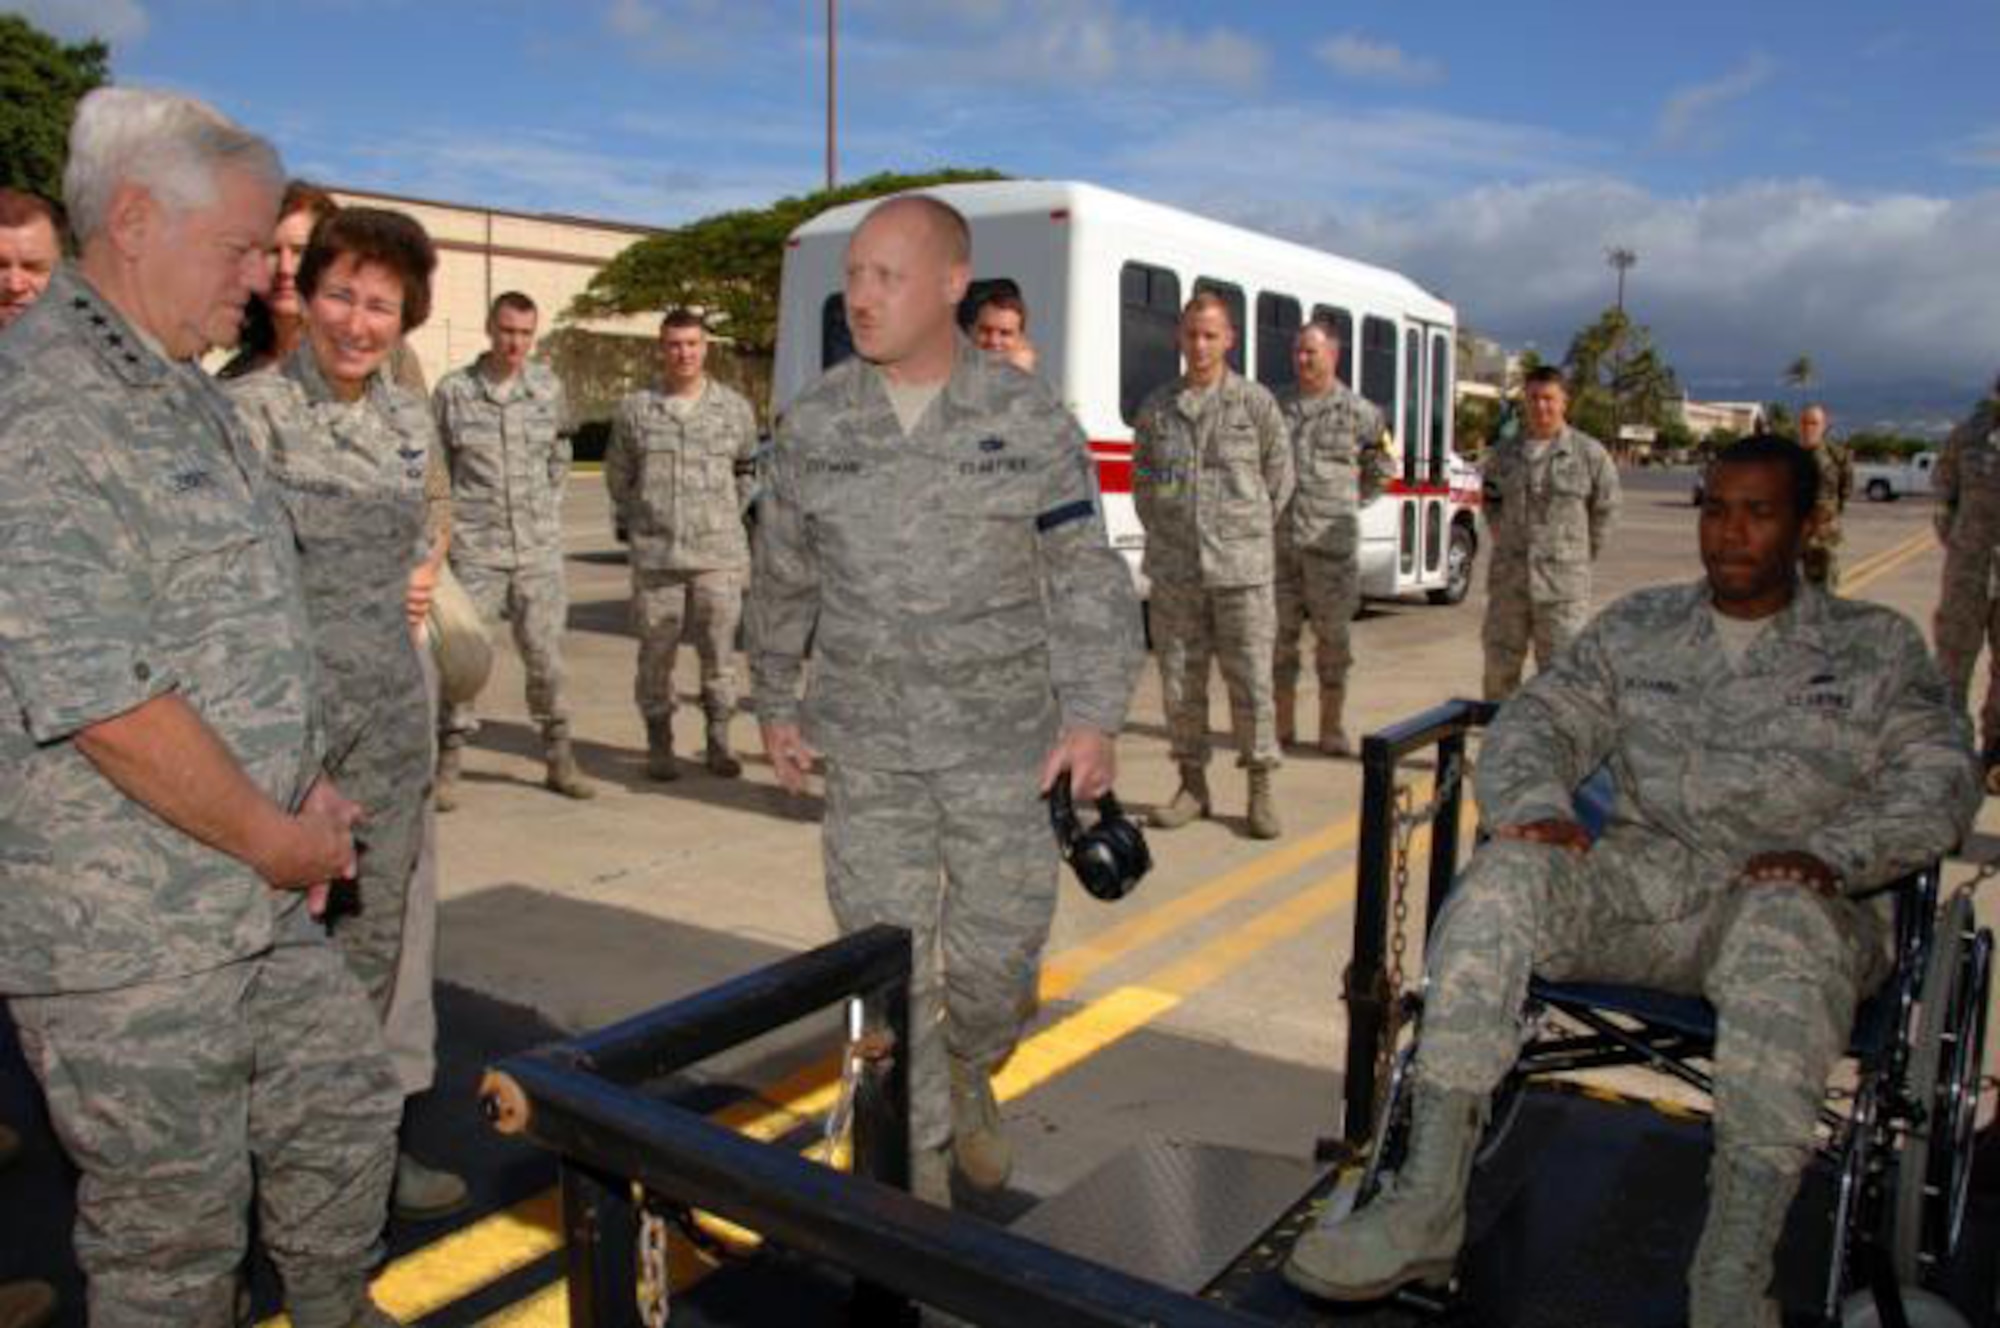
[[1800, 375]]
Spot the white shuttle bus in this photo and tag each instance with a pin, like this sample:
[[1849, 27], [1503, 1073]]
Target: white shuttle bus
[[1104, 276]]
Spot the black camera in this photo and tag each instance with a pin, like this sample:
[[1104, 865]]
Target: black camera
[[1109, 857]]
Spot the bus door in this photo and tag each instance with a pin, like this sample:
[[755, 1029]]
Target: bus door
[[1427, 454]]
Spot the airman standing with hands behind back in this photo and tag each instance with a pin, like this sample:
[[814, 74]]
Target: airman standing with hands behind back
[[680, 469], [1836, 486], [1968, 611], [1339, 446], [1211, 471], [502, 420], [1551, 495]]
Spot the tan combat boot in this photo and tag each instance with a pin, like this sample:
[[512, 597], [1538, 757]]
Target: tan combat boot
[[423, 1194], [444, 792], [1189, 802], [1412, 1231], [978, 1139], [1333, 740], [1729, 1283], [1287, 699], [660, 763], [722, 763], [1264, 822], [27, 1304], [563, 776], [930, 1175]]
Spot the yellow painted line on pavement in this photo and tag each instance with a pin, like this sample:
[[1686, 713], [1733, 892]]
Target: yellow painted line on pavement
[[458, 1264], [1886, 562], [811, 1090], [1071, 1041], [427, 1279]]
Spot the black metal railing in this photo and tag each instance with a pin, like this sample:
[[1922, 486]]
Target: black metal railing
[[1366, 983], [581, 1098]]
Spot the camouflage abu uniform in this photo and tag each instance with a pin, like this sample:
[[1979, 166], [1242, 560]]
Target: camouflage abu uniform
[[1831, 736], [1549, 506], [1968, 520], [962, 602], [509, 463], [1210, 473], [352, 478], [1821, 560], [680, 481], [1342, 463], [183, 1018]]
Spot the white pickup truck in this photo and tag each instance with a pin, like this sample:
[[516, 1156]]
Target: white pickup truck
[[1885, 482]]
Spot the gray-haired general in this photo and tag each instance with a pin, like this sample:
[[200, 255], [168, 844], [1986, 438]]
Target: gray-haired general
[[165, 825]]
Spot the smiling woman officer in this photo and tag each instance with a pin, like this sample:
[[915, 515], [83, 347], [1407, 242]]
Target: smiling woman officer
[[348, 449]]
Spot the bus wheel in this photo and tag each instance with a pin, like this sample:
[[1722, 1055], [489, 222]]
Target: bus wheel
[[1458, 562]]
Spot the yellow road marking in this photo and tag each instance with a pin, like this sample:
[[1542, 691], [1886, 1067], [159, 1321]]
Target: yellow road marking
[[1070, 1041], [812, 1090], [1886, 562], [1915, 540], [457, 1265]]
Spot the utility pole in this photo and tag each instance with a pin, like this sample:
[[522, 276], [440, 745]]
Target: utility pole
[[1619, 257], [1624, 260], [832, 92]]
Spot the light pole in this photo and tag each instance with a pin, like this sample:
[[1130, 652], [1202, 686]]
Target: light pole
[[1624, 260], [832, 92], [1619, 257]]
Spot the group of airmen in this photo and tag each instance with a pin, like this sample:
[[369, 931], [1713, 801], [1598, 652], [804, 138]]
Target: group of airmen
[[224, 722]]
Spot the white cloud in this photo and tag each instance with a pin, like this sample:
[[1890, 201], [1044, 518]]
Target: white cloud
[[1357, 57], [1681, 119], [1338, 155], [684, 32], [1979, 149], [551, 172], [116, 22], [1062, 43], [1879, 290]]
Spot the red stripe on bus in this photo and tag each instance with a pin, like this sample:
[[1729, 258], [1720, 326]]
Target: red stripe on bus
[[1114, 474]]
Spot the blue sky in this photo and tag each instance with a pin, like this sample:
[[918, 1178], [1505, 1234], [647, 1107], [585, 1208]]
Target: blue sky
[[1818, 178]]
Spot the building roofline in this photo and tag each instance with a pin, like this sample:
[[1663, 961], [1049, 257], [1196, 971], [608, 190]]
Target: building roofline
[[557, 218]]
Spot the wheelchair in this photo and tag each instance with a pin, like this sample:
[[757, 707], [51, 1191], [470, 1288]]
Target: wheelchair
[[1899, 1143]]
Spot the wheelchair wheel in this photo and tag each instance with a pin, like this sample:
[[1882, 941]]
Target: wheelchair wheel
[[1934, 1170], [1923, 1309]]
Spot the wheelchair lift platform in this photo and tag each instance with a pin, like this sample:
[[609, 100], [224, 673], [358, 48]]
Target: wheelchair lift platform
[[1584, 1210]]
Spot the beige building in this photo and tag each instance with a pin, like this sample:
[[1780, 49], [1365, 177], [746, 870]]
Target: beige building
[[1705, 417], [484, 251]]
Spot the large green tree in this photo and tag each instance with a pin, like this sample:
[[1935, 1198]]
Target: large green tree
[[728, 264], [41, 81], [1617, 376]]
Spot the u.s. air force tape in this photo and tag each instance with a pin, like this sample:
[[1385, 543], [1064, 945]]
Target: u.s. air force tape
[[1062, 516]]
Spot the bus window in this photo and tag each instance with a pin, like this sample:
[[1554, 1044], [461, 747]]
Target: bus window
[[836, 340], [1441, 395], [1233, 297], [1378, 365], [1414, 467], [1149, 319], [1278, 320], [1342, 320]]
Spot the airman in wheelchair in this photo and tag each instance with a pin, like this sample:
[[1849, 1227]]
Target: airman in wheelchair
[[1778, 756]]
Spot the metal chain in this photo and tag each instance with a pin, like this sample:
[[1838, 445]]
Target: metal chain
[[1409, 819], [652, 1289], [840, 1121]]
